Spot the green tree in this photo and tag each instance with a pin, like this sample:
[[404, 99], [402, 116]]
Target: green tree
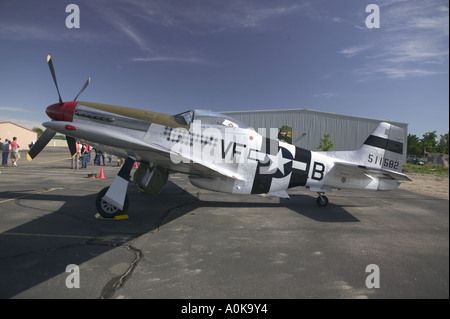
[[325, 143], [429, 142], [414, 146], [38, 130], [443, 144]]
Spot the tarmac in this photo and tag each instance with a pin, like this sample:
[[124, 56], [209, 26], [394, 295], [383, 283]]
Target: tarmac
[[189, 243]]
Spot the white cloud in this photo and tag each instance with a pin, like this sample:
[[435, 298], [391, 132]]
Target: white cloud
[[324, 95], [400, 73], [412, 41], [352, 51], [424, 50], [432, 23], [337, 20], [23, 32], [26, 31], [193, 60], [19, 116], [198, 19], [13, 109], [126, 28], [206, 17]]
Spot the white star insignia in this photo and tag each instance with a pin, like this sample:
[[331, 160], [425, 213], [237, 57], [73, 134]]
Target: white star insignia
[[277, 161]]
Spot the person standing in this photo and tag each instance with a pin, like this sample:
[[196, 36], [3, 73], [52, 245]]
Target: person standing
[[110, 158], [84, 153], [76, 156], [88, 152], [5, 152], [97, 157], [101, 157], [15, 155], [83, 156]]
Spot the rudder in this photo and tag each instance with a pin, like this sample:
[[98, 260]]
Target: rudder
[[384, 148]]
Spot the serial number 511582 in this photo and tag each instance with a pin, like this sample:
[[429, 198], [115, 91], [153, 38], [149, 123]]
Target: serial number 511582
[[383, 162]]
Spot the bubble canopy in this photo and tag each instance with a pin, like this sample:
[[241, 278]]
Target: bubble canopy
[[209, 117]]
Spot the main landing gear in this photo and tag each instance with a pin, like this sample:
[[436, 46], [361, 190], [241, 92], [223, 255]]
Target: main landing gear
[[107, 210], [322, 200], [112, 202]]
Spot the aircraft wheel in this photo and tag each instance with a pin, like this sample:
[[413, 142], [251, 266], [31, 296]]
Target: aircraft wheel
[[322, 201], [105, 209]]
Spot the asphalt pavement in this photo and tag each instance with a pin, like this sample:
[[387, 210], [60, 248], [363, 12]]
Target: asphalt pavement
[[189, 243]]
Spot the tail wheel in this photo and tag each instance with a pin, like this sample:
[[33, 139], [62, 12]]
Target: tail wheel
[[322, 201], [105, 209]]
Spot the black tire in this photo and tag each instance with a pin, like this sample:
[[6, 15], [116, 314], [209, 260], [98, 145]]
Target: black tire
[[107, 210], [322, 201]]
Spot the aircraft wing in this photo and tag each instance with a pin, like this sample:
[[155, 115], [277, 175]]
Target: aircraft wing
[[202, 170], [158, 154]]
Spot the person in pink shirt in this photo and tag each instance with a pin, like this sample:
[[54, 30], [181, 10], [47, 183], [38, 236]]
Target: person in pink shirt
[[15, 155]]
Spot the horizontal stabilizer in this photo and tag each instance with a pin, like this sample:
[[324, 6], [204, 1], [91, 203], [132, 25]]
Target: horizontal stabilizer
[[349, 175], [357, 170], [385, 174]]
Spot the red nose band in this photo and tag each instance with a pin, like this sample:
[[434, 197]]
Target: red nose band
[[62, 112]]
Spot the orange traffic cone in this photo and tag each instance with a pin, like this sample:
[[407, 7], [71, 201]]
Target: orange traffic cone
[[102, 175], [136, 165]]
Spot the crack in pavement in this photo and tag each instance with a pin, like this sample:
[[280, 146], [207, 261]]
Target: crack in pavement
[[117, 282], [110, 240]]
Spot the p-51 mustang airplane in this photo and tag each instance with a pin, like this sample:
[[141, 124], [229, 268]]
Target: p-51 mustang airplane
[[218, 152]]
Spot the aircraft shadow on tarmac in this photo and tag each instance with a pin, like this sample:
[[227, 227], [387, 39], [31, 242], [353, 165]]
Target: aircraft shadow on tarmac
[[40, 249], [298, 204]]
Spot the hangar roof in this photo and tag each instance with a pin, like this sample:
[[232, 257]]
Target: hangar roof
[[303, 110], [17, 125]]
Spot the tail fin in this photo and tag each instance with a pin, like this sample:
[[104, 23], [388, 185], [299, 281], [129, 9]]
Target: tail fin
[[384, 148]]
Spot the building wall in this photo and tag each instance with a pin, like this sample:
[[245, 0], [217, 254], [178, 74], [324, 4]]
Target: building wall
[[57, 143], [24, 136], [308, 127]]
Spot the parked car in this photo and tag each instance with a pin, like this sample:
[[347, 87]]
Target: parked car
[[416, 161]]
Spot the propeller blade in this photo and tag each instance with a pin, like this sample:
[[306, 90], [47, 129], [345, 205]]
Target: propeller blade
[[52, 70], [40, 143], [72, 145], [82, 89]]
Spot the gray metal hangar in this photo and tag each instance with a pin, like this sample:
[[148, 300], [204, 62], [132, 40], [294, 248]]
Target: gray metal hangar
[[308, 127]]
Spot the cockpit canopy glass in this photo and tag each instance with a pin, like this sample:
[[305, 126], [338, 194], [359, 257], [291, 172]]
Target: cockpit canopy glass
[[209, 117]]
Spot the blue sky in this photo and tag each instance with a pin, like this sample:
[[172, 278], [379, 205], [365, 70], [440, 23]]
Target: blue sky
[[172, 55]]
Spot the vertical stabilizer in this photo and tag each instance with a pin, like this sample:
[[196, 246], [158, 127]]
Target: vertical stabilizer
[[383, 148]]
